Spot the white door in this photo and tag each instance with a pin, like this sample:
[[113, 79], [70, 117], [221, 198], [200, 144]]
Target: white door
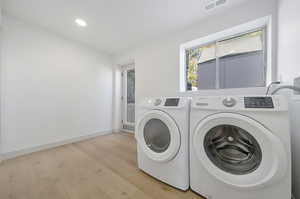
[[158, 136], [239, 151], [128, 98]]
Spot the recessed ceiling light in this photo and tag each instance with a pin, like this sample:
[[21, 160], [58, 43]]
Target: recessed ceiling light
[[80, 22]]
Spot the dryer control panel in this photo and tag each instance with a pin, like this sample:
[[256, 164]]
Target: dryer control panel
[[172, 102], [165, 103], [258, 102]]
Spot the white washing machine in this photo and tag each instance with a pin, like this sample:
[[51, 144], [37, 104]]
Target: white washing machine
[[162, 135], [240, 147]]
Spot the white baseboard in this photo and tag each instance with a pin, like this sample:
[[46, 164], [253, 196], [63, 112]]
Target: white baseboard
[[116, 130], [14, 154]]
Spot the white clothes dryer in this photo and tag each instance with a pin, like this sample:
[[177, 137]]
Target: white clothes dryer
[[162, 135]]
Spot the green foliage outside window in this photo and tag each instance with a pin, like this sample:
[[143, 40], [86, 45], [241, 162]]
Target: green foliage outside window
[[193, 57]]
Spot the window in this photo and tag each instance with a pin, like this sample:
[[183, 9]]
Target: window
[[236, 58]]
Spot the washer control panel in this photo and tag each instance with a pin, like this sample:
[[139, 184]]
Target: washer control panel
[[253, 103], [258, 102]]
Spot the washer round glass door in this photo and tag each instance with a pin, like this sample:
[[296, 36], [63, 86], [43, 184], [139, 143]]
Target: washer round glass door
[[239, 151], [158, 135], [232, 149]]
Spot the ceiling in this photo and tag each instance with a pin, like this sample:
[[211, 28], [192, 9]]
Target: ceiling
[[113, 25]]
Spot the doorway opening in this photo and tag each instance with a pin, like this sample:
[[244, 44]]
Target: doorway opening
[[128, 98]]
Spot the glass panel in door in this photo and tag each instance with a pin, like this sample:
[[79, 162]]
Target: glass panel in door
[[130, 96]]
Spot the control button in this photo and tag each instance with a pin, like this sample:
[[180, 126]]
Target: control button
[[157, 102], [229, 102]]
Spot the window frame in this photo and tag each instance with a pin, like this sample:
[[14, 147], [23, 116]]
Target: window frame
[[262, 23]]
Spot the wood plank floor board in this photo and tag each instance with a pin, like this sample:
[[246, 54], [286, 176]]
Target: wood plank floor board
[[49, 183], [118, 164], [89, 172], [117, 151], [100, 168]]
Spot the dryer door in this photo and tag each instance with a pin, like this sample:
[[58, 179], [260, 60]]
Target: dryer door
[[239, 151], [158, 136]]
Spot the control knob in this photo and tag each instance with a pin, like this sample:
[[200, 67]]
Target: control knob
[[157, 102], [229, 102]]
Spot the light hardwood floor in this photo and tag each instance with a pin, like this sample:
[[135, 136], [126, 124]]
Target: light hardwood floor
[[100, 168]]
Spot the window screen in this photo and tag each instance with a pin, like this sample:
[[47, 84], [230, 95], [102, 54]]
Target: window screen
[[237, 62]]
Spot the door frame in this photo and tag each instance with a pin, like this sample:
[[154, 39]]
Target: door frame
[[124, 69]]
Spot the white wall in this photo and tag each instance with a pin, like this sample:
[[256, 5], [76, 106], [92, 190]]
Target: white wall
[[157, 62], [52, 89], [117, 94], [289, 68], [288, 39], [0, 76], [0, 12]]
